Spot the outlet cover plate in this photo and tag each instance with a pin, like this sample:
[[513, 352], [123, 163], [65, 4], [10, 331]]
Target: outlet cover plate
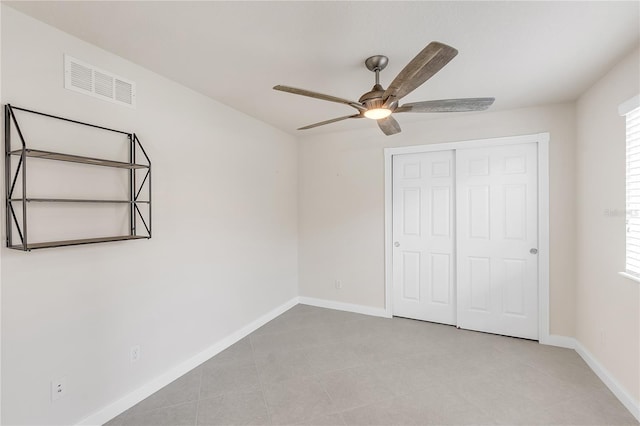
[[135, 353], [58, 388]]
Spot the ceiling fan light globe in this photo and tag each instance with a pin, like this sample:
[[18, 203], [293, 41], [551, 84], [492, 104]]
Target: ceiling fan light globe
[[377, 113]]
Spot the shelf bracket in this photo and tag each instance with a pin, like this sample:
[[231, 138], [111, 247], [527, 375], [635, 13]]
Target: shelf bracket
[[142, 218], [141, 186], [15, 220], [15, 178]]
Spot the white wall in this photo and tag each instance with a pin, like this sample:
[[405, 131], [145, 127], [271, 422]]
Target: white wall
[[224, 250], [608, 305], [341, 193]]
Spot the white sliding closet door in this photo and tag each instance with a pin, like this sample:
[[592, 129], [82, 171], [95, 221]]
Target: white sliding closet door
[[423, 222], [497, 237]]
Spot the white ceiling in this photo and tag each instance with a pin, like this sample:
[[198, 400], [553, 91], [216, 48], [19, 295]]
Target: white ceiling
[[522, 53]]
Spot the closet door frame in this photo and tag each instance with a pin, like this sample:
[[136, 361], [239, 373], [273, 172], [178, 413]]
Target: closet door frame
[[542, 141]]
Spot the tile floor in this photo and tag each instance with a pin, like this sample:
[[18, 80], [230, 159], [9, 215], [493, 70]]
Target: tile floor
[[314, 366]]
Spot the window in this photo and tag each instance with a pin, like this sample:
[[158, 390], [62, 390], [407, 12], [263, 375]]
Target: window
[[631, 110]]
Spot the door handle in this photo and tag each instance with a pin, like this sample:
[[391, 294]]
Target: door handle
[[396, 244], [533, 251]]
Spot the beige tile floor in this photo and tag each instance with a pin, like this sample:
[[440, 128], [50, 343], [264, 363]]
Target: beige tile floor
[[314, 366]]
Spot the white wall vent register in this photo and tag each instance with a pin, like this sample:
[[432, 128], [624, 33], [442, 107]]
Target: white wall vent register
[[84, 78]]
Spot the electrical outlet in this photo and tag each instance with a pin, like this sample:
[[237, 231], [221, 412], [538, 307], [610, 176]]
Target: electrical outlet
[[58, 388], [338, 284], [135, 353]]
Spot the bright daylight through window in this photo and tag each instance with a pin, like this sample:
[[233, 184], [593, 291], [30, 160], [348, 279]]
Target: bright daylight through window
[[632, 265]]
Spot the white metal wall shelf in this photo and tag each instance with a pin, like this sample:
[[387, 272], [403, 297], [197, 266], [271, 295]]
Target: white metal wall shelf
[[11, 179]]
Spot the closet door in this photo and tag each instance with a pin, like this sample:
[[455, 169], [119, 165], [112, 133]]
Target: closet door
[[497, 230], [423, 235]]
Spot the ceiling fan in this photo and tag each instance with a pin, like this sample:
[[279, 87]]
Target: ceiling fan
[[378, 104]]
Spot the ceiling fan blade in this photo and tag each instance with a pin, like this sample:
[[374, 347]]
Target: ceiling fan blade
[[333, 120], [448, 105], [317, 95], [421, 68], [389, 126]]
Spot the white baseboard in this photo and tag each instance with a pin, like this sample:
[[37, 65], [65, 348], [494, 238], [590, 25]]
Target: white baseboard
[[614, 386], [128, 401], [340, 306], [560, 341]]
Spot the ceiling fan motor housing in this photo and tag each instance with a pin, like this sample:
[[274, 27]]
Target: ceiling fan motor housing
[[373, 99]]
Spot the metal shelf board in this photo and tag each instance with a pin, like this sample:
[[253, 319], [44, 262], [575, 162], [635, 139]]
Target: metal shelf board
[[48, 155], [74, 200], [49, 244]]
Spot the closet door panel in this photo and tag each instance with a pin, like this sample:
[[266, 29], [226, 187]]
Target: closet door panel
[[423, 235], [496, 239]]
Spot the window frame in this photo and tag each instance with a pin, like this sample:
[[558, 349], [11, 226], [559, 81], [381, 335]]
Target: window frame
[[627, 108]]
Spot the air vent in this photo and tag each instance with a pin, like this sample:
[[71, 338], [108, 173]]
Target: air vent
[[81, 77], [124, 91], [103, 84], [84, 78]]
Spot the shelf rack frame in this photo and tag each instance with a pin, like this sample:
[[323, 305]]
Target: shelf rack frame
[[23, 153]]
